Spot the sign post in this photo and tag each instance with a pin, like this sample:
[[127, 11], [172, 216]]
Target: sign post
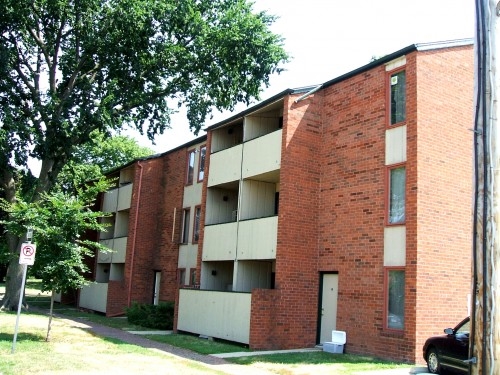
[[26, 257]]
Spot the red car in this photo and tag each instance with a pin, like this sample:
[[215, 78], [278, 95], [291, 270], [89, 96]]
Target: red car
[[449, 351]]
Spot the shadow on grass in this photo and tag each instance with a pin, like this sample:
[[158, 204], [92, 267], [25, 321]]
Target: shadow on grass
[[21, 337]]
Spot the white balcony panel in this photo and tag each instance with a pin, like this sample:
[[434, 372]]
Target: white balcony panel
[[225, 166], [225, 315], [262, 155], [94, 297], [105, 257], [257, 238], [110, 201], [220, 242], [124, 197], [119, 250]]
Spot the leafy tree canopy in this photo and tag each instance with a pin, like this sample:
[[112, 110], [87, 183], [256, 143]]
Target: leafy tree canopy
[[91, 160], [68, 68], [71, 68]]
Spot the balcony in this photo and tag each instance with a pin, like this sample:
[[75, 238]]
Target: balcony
[[220, 242], [257, 238], [94, 297], [225, 315], [262, 155], [119, 250], [225, 166], [124, 197]]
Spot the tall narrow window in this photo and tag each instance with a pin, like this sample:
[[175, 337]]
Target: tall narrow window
[[397, 195], [185, 226], [190, 167], [196, 229], [201, 163], [395, 300], [181, 274], [192, 276], [398, 97]]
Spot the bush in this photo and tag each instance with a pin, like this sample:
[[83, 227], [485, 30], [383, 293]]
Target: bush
[[159, 316]]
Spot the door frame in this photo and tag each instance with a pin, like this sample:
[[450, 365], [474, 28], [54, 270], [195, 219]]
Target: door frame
[[320, 302]]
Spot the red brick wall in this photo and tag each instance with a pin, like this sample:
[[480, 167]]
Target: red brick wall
[[443, 155], [293, 322], [149, 246], [332, 209], [352, 207]]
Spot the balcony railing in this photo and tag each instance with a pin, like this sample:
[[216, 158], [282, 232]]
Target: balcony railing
[[225, 315], [220, 242], [94, 297]]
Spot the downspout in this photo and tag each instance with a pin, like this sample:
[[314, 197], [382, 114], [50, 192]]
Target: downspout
[[132, 256], [308, 93]]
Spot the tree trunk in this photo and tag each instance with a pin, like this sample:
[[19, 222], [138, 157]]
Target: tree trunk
[[14, 276], [48, 174], [13, 290]]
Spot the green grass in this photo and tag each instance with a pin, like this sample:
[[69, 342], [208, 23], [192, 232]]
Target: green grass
[[73, 349], [32, 341], [347, 362], [197, 344]]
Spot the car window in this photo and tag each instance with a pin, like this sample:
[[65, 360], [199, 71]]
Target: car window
[[464, 329]]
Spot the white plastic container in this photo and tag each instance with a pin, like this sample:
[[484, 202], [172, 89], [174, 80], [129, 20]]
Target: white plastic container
[[337, 344]]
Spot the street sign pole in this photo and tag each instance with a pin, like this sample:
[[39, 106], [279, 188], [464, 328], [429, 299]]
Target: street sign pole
[[26, 257], [25, 268]]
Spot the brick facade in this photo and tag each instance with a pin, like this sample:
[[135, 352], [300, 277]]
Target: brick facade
[[332, 217], [332, 209]]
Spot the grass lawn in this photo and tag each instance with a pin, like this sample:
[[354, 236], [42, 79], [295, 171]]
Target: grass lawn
[[74, 349]]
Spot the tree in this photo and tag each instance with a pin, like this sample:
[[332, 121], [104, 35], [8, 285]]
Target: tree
[[69, 68], [91, 160], [58, 221]]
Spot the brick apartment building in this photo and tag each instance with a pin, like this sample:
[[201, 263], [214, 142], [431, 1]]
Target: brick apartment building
[[345, 206], [154, 245]]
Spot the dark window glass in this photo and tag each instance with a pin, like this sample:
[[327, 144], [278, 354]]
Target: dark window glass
[[398, 97]]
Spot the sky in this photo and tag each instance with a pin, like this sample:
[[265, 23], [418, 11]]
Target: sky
[[327, 38]]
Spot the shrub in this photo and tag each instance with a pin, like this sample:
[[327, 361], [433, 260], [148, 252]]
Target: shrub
[[159, 316]]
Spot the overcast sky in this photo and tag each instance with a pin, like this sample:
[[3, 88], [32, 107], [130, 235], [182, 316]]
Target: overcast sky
[[327, 38]]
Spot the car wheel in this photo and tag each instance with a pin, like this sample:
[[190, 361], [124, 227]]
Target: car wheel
[[433, 363]]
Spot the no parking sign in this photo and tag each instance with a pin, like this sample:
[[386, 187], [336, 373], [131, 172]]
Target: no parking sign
[[27, 255]]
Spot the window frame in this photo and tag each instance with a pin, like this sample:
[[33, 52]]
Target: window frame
[[191, 155], [196, 224], [388, 185], [185, 226], [200, 164], [387, 271], [389, 106], [180, 272], [192, 274]]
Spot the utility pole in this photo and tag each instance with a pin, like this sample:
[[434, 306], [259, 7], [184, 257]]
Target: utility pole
[[484, 348]]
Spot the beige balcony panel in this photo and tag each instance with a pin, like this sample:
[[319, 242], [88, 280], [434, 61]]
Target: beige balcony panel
[[110, 201], [225, 166], [261, 155], [119, 250], [220, 242], [94, 297], [257, 238], [224, 315], [105, 257], [124, 197]]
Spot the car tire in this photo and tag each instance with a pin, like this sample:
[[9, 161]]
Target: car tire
[[433, 362]]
